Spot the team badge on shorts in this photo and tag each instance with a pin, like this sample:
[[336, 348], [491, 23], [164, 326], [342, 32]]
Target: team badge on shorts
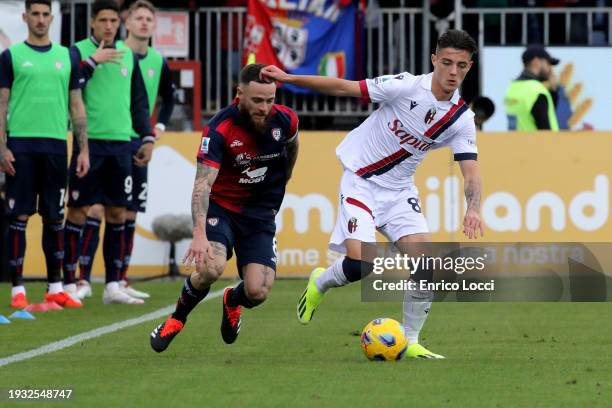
[[429, 117], [213, 221], [276, 134], [75, 194], [352, 225], [11, 203]]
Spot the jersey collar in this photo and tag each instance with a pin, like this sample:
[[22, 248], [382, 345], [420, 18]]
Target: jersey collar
[[426, 84], [97, 43]]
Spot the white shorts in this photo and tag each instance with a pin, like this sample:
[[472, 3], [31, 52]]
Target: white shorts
[[365, 207]]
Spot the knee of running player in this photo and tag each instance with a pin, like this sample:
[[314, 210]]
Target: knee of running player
[[207, 273], [256, 292]]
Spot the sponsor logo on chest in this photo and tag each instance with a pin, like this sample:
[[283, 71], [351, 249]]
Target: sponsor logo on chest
[[405, 138]]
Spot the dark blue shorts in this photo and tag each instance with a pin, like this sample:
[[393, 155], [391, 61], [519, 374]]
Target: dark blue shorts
[[251, 238], [139, 177], [108, 182], [39, 185]]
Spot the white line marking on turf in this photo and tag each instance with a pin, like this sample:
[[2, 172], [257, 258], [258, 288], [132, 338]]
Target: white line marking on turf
[[92, 334]]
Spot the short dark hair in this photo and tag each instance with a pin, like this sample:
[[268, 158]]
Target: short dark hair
[[142, 4], [100, 5], [251, 73], [457, 39], [28, 3]]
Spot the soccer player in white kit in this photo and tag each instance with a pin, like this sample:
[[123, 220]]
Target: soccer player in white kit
[[377, 191]]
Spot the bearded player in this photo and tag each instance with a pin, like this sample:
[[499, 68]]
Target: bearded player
[[246, 157]]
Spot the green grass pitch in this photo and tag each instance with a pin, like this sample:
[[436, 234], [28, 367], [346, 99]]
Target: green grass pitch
[[498, 355]]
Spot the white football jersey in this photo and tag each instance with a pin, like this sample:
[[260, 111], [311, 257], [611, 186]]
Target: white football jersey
[[389, 145]]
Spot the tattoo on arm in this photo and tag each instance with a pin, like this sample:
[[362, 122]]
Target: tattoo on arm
[[472, 194], [292, 154], [5, 94], [79, 119], [200, 198]]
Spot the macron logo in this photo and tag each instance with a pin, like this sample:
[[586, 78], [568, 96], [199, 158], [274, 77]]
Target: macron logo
[[236, 143]]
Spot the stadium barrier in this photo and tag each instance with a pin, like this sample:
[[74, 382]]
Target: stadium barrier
[[538, 187]]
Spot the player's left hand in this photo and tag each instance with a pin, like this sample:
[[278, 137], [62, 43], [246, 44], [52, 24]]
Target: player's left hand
[[82, 164], [143, 155], [472, 224]]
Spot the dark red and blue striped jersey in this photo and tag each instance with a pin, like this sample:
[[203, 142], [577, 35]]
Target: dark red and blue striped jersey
[[252, 167]]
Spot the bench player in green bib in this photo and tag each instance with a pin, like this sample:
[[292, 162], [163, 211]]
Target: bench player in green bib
[[158, 82], [116, 104], [40, 88]]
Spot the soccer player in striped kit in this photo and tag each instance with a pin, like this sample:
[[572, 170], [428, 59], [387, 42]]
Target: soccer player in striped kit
[[377, 191]]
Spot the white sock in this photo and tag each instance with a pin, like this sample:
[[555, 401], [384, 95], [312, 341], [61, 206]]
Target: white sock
[[123, 283], [416, 308], [112, 286], [15, 290], [57, 288], [333, 277]]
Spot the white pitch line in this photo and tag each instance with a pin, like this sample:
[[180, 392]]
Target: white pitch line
[[92, 334]]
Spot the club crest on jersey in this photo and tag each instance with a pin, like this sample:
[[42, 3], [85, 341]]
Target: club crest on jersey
[[276, 134], [213, 221], [151, 72], [352, 225], [124, 71], [75, 194], [429, 117], [58, 65]]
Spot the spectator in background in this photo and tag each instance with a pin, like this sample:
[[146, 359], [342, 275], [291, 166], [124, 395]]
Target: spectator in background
[[483, 109], [529, 104]]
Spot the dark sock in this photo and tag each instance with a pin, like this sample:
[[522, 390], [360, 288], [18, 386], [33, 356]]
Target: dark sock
[[130, 228], [238, 297], [72, 239], [189, 298], [354, 269], [17, 247], [53, 247], [113, 248], [89, 245]]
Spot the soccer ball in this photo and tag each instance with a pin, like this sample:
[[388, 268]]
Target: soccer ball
[[383, 340]]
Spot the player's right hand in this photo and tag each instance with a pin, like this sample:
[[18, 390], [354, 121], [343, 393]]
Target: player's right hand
[[6, 162], [199, 251], [273, 73], [103, 55]]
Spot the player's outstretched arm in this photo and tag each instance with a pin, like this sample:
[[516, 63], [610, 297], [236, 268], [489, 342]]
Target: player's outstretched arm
[[472, 223], [79, 130], [323, 84], [200, 200], [6, 156]]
